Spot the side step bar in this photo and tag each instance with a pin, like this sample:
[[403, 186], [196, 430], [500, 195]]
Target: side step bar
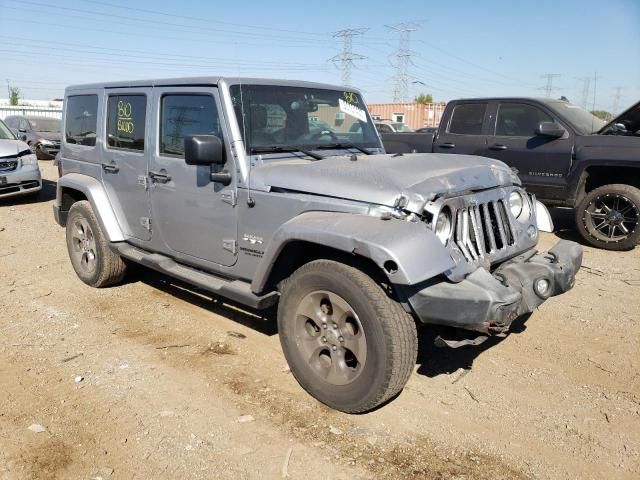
[[235, 290]]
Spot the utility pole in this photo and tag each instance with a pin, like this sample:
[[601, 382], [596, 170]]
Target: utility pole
[[586, 86], [548, 88], [345, 60], [616, 100], [402, 60]]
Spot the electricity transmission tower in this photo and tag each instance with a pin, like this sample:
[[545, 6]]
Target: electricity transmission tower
[[345, 60], [548, 88], [586, 86], [616, 100], [402, 59]]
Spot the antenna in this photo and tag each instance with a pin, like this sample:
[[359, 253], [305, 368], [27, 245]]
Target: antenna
[[345, 60], [402, 60], [548, 88]]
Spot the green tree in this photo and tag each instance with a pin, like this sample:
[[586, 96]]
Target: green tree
[[602, 115], [14, 95], [424, 98]]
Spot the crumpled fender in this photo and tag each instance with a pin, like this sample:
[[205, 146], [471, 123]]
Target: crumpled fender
[[95, 193], [414, 248]]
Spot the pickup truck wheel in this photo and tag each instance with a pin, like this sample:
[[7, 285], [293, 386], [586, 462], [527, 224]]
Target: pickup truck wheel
[[609, 217], [347, 343], [89, 251]]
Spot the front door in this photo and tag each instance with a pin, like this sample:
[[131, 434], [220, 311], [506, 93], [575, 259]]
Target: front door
[[464, 134], [124, 159], [194, 217], [543, 163]]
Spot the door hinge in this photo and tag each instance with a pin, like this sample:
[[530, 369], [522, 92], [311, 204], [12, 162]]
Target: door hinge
[[145, 222], [143, 181], [229, 197], [230, 245]]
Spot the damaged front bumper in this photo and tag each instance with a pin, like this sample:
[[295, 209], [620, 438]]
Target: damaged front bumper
[[489, 302]]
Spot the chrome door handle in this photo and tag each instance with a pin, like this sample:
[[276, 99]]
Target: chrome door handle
[[447, 145], [498, 146]]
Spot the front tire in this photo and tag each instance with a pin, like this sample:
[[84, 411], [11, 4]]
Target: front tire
[[609, 217], [89, 252], [347, 343]]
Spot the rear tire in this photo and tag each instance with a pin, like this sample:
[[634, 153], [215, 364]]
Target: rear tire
[[347, 343], [609, 217], [89, 252]]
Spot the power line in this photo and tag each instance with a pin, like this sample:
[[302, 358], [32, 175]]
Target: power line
[[345, 60], [548, 88], [586, 86], [616, 100], [402, 60]]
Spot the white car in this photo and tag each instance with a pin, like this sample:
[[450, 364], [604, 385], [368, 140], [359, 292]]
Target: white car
[[19, 170]]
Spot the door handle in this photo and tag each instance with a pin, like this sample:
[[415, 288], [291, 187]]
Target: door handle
[[498, 146], [159, 177], [110, 168], [447, 145]]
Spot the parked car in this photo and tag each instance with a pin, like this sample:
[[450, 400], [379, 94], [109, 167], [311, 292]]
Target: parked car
[[564, 155], [387, 126], [19, 171], [42, 134], [195, 179]]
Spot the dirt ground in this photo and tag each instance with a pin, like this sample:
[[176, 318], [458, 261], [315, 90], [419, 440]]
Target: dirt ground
[[151, 379]]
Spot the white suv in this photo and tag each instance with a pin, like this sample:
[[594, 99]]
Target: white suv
[[19, 171]]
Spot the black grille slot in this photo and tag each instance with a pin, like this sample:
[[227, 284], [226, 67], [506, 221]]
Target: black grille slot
[[481, 230]]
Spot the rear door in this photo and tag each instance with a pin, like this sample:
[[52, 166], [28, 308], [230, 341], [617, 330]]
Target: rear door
[[125, 158], [543, 163], [465, 131], [193, 216]]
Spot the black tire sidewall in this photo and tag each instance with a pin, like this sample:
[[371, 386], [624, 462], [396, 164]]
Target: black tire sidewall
[[372, 378], [82, 210], [632, 193]]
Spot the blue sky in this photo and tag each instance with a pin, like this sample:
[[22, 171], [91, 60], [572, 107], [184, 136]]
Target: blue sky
[[462, 48]]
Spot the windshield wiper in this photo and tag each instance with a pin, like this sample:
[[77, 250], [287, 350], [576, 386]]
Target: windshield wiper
[[343, 146], [279, 149]]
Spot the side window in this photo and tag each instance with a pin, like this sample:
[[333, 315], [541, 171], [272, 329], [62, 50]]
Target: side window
[[81, 120], [126, 121], [467, 118], [384, 128], [519, 120], [183, 115], [24, 124]]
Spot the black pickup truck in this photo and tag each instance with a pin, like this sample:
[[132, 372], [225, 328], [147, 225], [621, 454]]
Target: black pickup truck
[[563, 154]]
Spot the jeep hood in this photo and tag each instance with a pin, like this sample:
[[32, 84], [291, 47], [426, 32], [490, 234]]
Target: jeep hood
[[382, 179]]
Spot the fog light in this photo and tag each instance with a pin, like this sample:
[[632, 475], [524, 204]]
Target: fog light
[[542, 287], [532, 231]]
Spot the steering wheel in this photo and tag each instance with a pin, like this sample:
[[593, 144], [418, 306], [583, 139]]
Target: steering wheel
[[324, 133]]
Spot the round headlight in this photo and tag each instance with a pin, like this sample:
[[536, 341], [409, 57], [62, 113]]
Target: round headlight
[[516, 203], [443, 225]]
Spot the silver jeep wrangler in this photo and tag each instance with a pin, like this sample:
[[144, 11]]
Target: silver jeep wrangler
[[270, 191]]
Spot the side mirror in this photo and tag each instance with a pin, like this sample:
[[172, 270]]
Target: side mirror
[[203, 150], [550, 129]]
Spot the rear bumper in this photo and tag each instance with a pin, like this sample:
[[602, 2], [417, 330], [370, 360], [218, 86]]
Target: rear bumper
[[489, 303], [24, 180]]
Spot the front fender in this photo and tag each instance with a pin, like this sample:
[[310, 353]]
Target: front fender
[[414, 248], [97, 197]]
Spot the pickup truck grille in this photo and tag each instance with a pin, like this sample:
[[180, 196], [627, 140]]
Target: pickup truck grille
[[482, 230]]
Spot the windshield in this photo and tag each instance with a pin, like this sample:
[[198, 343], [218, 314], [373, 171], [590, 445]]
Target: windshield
[[45, 124], [5, 133], [583, 121], [301, 117]]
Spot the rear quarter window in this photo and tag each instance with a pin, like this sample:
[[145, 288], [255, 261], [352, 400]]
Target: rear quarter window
[[81, 120]]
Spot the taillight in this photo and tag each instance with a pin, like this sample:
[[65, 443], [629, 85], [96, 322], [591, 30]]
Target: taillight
[[59, 165]]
